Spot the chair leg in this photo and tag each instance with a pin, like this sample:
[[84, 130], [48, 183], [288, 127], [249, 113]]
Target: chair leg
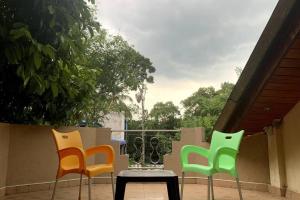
[[54, 189], [208, 188], [112, 184], [80, 183], [90, 188], [212, 188], [182, 184], [239, 188]]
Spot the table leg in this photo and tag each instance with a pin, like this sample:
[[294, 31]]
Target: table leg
[[173, 188], [120, 189]]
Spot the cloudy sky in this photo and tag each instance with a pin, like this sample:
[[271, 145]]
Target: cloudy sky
[[192, 43]]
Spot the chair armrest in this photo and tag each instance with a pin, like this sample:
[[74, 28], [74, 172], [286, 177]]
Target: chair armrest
[[106, 149], [74, 151], [188, 149], [224, 150]]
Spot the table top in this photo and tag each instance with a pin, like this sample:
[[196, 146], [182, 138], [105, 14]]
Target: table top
[[146, 173]]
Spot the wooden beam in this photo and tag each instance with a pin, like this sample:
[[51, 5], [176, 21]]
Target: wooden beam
[[289, 62], [293, 53], [279, 35]]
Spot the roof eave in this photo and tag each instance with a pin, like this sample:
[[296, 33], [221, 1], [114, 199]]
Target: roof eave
[[255, 73]]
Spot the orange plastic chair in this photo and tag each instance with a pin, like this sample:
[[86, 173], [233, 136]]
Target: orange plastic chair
[[72, 159]]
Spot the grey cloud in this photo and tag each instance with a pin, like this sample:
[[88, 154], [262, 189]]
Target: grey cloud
[[190, 38]]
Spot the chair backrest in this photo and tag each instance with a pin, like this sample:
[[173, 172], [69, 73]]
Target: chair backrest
[[68, 139], [231, 140]]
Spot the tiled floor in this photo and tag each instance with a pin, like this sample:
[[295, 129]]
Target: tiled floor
[[142, 192]]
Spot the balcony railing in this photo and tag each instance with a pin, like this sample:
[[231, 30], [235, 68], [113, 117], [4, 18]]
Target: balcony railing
[[146, 148]]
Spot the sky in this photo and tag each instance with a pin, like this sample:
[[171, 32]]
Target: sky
[[191, 43]]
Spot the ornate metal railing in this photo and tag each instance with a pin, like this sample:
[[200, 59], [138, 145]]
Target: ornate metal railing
[[146, 148]]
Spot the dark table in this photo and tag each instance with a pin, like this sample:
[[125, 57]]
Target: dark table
[[167, 176]]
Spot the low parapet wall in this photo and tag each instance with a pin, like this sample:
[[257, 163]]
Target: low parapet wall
[[253, 165], [4, 147], [28, 158]]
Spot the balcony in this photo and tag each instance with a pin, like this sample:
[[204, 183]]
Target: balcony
[[29, 162], [143, 192]]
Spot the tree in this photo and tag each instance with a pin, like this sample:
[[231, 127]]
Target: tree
[[199, 104], [123, 69], [238, 71], [42, 79], [57, 65], [165, 115], [204, 106]]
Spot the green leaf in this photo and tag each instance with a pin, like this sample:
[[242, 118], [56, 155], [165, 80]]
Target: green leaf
[[62, 39], [20, 72], [39, 81], [16, 34], [26, 81], [39, 46], [20, 32], [51, 9], [91, 31], [150, 79], [17, 25], [52, 23], [37, 59], [48, 50], [54, 89]]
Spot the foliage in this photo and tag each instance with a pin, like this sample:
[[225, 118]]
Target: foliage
[[164, 116], [122, 68], [57, 65], [164, 111], [41, 41], [238, 71], [203, 108]]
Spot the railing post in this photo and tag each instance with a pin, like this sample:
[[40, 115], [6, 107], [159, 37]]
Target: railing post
[[143, 148], [139, 145]]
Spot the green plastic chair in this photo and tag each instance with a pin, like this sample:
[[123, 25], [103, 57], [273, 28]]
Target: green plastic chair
[[221, 159]]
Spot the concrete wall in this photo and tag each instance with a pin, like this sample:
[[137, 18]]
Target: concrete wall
[[192, 136], [30, 147], [274, 165], [103, 136], [4, 145], [276, 160], [28, 158], [284, 155], [252, 161], [290, 129]]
